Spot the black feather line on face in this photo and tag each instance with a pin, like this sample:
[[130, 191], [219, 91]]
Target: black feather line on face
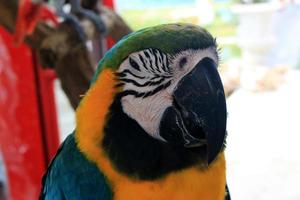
[[156, 60], [147, 83], [125, 72], [134, 64], [142, 60], [144, 94]]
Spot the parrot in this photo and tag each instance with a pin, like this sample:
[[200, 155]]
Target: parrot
[[152, 126]]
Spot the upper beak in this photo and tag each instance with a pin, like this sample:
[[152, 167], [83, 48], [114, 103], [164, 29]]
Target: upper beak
[[198, 115]]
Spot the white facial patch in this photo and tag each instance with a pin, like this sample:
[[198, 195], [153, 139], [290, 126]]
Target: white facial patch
[[149, 78]]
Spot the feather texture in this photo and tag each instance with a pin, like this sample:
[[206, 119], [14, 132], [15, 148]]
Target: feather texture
[[71, 176]]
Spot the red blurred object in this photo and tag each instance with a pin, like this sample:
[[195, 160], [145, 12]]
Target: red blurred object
[[109, 4], [28, 124], [27, 118], [29, 14]]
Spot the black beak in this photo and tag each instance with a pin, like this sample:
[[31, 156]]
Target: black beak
[[198, 115]]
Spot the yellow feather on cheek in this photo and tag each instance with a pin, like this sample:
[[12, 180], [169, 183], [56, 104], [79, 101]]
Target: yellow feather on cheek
[[191, 183]]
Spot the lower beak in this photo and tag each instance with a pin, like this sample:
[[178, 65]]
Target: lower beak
[[198, 115]]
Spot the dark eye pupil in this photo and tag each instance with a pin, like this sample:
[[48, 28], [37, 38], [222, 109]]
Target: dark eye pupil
[[182, 62], [134, 64]]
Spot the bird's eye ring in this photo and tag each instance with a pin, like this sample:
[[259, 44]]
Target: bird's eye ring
[[182, 62]]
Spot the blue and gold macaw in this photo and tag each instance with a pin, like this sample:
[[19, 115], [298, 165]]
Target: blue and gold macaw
[[152, 125]]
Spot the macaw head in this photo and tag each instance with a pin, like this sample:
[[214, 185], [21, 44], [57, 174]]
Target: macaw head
[[166, 89]]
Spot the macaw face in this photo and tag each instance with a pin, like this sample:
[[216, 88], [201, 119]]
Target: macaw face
[[177, 99]]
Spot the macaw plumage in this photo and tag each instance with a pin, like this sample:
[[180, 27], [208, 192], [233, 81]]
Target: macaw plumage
[[152, 125]]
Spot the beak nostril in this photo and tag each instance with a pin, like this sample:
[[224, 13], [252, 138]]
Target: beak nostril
[[190, 121], [197, 132]]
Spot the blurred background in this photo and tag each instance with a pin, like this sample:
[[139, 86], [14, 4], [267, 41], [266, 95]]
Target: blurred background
[[49, 51]]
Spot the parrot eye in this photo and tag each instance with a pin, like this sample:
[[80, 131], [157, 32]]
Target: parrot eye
[[182, 62]]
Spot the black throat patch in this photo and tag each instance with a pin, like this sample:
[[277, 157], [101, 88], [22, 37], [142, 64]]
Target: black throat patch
[[136, 154]]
